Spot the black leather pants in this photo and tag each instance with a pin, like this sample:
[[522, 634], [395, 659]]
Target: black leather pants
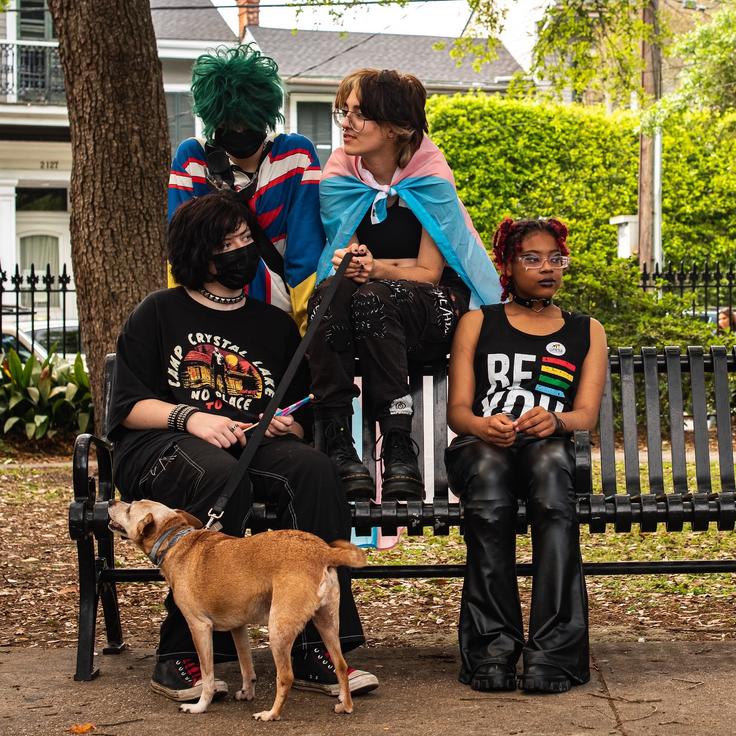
[[489, 480]]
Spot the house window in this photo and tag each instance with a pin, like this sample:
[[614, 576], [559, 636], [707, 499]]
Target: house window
[[39, 251], [40, 199], [181, 119], [314, 120], [34, 21]]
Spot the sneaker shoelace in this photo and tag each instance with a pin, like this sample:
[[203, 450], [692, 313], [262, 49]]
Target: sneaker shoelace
[[324, 655], [191, 670]]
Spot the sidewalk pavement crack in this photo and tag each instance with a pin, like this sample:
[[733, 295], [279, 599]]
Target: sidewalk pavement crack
[[609, 698]]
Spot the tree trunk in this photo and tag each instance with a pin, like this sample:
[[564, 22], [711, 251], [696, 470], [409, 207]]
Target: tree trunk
[[120, 157]]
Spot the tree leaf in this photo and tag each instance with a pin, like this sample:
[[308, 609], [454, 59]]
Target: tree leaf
[[42, 427], [28, 371], [10, 423], [82, 728], [15, 399], [15, 367]]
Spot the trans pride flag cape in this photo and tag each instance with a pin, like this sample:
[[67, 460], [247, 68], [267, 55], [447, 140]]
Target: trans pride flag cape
[[427, 187]]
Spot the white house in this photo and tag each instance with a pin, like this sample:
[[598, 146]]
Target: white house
[[35, 150]]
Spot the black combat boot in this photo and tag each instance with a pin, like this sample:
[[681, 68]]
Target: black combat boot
[[334, 437], [402, 480]]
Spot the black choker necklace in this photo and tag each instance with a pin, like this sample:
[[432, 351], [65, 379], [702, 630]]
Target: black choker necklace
[[530, 303], [222, 299]]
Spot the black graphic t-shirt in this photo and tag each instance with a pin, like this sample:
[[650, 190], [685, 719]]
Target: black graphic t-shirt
[[516, 371], [176, 350]]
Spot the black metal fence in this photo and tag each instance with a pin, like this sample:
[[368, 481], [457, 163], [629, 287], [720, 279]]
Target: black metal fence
[[39, 307], [709, 288], [39, 313]]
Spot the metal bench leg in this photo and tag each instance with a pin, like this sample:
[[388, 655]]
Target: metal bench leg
[[88, 595], [109, 596]]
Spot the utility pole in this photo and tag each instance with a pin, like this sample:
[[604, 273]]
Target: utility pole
[[650, 147]]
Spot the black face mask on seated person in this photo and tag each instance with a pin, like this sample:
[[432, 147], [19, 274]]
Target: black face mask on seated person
[[239, 144], [236, 268]]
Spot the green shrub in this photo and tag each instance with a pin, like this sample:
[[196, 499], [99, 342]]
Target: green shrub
[[528, 159], [42, 399], [610, 291]]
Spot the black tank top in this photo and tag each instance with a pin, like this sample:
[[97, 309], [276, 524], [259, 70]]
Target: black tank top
[[515, 371], [398, 236]]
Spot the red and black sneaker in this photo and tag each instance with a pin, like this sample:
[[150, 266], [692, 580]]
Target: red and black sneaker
[[314, 671], [181, 680]]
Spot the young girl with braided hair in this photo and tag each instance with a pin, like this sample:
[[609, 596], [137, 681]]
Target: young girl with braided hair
[[523, 376]]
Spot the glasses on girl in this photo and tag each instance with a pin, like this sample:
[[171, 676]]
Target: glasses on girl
[[533, 262], [356, 120]]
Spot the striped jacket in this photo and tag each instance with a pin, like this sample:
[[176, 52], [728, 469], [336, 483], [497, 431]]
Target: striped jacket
[[286, 203]]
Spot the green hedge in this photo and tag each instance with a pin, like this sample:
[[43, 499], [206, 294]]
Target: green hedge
[[521, 159]]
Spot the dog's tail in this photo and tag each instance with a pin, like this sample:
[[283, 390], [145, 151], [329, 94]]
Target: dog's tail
[[345, 553]]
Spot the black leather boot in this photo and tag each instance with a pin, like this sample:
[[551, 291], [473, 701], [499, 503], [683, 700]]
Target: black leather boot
[[402, 480], [334, 437]]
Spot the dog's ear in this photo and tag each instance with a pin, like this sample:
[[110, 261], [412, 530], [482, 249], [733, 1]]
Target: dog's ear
[[144, 526], [191, 520]]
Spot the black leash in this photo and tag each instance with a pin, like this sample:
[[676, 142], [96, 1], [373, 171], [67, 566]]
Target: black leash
[[235, 481]]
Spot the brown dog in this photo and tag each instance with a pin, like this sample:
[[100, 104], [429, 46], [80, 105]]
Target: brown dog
[[282, 578]]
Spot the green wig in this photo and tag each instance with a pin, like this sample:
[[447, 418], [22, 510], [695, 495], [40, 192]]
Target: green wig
[[236, 86]]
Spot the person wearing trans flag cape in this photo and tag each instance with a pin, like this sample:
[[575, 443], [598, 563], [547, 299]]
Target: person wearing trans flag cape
[[388, 196]]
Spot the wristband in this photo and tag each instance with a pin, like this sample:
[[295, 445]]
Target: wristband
[[185, 416], [179, 416]]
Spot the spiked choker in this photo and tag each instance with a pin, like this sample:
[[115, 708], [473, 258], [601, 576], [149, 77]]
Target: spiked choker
[[536, 305], [222, 299]]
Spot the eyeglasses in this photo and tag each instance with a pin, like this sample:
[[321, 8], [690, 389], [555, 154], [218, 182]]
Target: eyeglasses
[[356, 120], [533, 262]]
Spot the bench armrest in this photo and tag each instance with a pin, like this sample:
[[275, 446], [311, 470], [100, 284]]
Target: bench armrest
[[86, 484], [583, 463]]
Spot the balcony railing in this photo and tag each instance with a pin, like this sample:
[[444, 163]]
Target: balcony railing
[[30, 71]]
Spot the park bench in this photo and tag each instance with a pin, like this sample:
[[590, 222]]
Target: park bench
[[642, 390]]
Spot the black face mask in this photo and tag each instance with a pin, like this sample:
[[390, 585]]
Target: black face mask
[[240, 144], [238, 267]]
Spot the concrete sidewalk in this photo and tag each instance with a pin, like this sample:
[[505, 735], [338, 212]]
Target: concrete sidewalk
[[652, 688]]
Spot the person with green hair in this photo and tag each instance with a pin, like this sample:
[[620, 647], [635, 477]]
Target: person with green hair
[[238, 95]]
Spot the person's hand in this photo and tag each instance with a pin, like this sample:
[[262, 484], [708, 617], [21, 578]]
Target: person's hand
[[360, 267], [280, 426], [537, 422], [364, 260], [216, 429], [498, 429]]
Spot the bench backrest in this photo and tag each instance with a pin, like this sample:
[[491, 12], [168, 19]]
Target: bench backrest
[[663, 385], [642, 389]]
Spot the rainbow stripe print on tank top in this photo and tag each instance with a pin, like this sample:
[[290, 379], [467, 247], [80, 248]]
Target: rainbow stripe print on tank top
[[555, 377]]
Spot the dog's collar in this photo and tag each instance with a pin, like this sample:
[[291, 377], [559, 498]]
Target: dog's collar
[[156, 555]]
